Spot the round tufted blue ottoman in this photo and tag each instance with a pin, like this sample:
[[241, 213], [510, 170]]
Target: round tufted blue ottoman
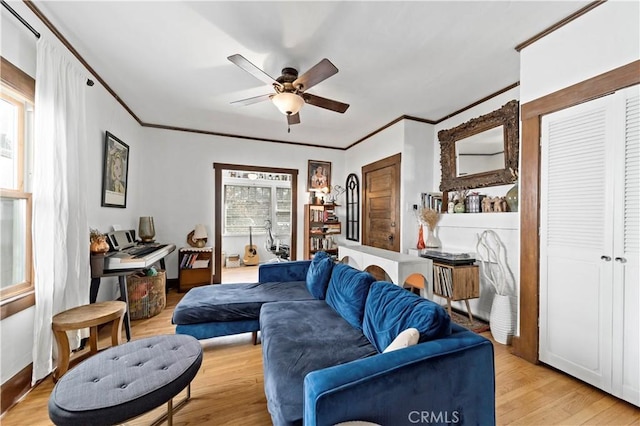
[[126, 381]]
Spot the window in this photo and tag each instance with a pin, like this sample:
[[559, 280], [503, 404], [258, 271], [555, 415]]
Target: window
[[246, 206], [16, 123], [283, 211], [252, 202]]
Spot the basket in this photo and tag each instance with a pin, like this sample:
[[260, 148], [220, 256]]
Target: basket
[[233, 261], [146, 295]]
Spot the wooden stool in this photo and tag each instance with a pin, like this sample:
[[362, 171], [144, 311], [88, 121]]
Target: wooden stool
[[86, 316]]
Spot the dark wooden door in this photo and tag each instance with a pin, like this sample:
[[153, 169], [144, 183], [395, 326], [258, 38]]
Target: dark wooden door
[[381, 207]]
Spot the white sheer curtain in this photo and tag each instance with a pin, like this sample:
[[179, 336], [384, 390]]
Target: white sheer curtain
[[61, 231]]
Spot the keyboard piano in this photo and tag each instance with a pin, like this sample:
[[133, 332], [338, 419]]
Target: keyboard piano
[[137, 257], [126, 254]]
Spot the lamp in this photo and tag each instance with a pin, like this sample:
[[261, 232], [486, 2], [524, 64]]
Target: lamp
[[199, 235], [146, 230], [288, 103], [334, 192]]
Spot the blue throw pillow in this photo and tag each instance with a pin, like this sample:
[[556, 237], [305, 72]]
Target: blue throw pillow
[[319, 274], [390, 309], [348, 291]]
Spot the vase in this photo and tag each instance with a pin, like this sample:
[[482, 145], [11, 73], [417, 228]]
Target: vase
[[501, 319], [512, 198], [432, 241], [146, 230], [420, 245]]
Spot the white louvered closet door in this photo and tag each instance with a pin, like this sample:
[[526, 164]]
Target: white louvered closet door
[[575, 284], [626, 254], [589, 298]]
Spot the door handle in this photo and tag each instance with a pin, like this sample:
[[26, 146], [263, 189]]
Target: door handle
[[621, 260], [605, 258], [390, 237]]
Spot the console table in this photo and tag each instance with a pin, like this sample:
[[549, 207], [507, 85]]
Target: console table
[[398, 266]]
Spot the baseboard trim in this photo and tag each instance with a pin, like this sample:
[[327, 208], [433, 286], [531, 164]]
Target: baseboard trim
[[15, 388]]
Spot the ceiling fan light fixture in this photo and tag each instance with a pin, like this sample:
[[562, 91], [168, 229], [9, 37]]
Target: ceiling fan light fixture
[[288, 103]]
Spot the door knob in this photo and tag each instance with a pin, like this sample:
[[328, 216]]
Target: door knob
[[606, 258], [621, 259], [390, 237]]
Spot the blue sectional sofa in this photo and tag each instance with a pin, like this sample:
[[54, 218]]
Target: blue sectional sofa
[[325, 362]]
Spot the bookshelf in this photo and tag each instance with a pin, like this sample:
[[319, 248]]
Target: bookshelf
[[456, 282], [195, 267], [321, 226]]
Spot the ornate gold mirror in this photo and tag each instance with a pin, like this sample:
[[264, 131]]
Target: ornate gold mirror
[[480, 152]]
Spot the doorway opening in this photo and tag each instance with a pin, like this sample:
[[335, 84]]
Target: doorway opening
[[255, 219]]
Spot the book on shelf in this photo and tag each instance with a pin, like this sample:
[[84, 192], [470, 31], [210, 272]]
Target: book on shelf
[[191, 261], [432, 200], [198, 264], [317, 244]]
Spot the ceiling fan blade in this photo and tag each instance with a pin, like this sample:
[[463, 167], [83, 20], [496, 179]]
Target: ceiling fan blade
[[253, 100], [293, 119], [319, 72], [243, 63], [325, 103]]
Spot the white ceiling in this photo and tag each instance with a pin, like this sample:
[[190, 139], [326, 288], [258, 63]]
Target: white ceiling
[[167, 60]]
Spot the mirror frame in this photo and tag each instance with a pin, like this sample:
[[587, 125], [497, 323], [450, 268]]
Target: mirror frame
[[507, 116]]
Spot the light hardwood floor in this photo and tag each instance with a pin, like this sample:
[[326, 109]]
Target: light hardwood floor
[[228, 389]]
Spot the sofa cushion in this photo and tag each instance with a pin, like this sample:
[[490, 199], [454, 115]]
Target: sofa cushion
[[319, 274], [391, 309], [407, 338], [297, 338], [234, 302], [347, 293]]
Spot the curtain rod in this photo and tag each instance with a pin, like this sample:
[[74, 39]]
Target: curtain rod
[[33, 30]]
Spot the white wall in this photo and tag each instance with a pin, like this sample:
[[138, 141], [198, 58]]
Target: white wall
[[605, 38], [414, 141], [417, 173], [103, 113], [458, 232], [177, 179]]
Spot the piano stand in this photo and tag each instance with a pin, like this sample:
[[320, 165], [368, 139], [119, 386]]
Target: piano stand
[[122, 281]]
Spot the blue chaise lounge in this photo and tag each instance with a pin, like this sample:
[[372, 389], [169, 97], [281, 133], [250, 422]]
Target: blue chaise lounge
[[222, 310]]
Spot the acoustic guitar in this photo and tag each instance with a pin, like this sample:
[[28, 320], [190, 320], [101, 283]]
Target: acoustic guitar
[[251, 252]]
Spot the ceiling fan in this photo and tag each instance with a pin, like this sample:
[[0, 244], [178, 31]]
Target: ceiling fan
[[290, 90]]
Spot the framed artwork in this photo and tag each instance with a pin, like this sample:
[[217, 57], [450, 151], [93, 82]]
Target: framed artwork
[[318, 175], [115, 172]]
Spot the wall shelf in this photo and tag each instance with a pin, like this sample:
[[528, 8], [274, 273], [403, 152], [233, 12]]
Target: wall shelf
[[503, 220]]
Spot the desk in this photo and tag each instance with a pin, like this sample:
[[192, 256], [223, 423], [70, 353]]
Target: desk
[[398, 266], [98, 271]]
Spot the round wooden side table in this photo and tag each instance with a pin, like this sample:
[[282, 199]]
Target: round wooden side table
[[86, 316]]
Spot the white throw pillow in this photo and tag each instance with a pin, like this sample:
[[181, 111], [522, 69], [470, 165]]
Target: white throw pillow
[[407, 338]]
